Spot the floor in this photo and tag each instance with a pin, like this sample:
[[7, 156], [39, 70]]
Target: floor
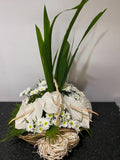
[[104, 145]]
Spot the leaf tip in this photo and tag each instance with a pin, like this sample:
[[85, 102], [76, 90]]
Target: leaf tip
[[105, 10]]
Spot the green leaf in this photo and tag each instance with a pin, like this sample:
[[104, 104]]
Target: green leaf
[[79, 8], [47, 39], [52, 133], [89, 131], [12, 131], [63, 64], [46, 24], [55, 58], [45, 61], [94, 21]]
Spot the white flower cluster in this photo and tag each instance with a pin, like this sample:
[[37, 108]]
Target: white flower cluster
[[66, 121], [73, 91], [38, 125], [44, 123], [41, 86]]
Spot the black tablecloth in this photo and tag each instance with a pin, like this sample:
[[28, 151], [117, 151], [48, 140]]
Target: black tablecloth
[[104, 145]]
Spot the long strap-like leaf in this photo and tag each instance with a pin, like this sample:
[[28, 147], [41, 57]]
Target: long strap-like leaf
[[94, 21], [47, 71], [79, 8], [46, 38]]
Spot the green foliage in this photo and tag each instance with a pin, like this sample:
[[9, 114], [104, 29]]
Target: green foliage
[[52, 133], [89, 131], [70, 60], [46, 62], [58, 74], [35, 96], [63, 56], [12, 131]]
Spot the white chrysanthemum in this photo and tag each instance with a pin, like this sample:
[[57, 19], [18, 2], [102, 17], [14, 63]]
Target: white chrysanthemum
[[49, 116], [40, 129], [63, 113], [67, 115], [71, 124], [77, 127], [64, 124], [68, 88], [55, 115], [42, 83], [32, 93], [76, 96], [42, 88], [39, 121], [26, 100], [36, 91], [29, 127], [28, 90], [74, 88], [46, 123], [54, 121], [22, 93]]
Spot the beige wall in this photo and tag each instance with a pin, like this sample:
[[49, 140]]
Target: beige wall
[[98, 68]]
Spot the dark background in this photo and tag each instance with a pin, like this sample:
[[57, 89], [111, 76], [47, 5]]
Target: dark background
[[104, 145]]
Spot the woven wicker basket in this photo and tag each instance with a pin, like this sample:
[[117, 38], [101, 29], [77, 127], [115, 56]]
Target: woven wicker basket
[[32, 139]]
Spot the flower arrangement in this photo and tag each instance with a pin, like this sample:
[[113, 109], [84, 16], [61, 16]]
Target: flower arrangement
[[54, 113]]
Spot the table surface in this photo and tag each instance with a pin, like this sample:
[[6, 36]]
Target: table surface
[[104, 145]]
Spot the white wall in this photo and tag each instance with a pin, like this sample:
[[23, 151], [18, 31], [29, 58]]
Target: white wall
[[20, 65]]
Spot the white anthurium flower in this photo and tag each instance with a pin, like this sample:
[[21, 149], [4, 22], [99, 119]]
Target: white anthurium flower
[[83, 104], [46, 123], [81, 93], [22, 93], [29, 127], [32, 110], [69, 101], [85, 123], [49, 99]]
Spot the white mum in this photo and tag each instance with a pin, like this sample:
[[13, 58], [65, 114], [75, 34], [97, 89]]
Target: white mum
[[46, 124], [71, 124], [42, 88], [49, 116], [22, 93], [40, 129], [29, 127]]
